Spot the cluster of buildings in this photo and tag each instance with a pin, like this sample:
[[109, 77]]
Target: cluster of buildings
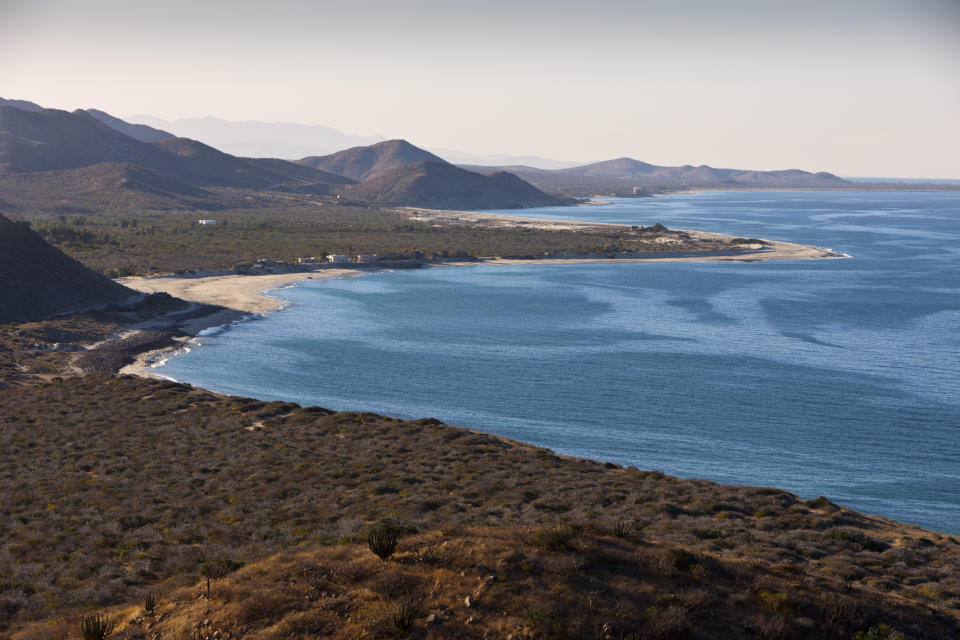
[[265, 265]]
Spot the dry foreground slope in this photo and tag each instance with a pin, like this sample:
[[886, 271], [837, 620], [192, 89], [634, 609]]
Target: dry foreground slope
[[112, 487]]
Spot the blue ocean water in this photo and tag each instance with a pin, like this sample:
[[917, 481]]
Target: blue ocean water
[[837, 377]]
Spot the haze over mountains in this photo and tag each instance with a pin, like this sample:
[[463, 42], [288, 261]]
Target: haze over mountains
[[88, 159], [58, 151], [54, 140], [260, 139], [290, 140], [622, 173]]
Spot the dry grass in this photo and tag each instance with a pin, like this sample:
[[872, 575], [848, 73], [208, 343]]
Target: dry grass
[[482, 582], [113, 487]]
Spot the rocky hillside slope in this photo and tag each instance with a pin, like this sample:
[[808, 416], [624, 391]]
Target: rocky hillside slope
[[38, 280]]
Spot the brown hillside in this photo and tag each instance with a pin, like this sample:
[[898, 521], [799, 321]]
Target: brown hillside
[[51, 140], [117, 487], [441, 185], [37, 280], [364, 163], [108, 186]]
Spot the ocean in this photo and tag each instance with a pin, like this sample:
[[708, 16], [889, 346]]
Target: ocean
[[836, 377]]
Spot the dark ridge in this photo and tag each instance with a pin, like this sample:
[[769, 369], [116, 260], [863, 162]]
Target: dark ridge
[[26, 105], [140, 132], [53, 140], [441, 185], [38, 281]]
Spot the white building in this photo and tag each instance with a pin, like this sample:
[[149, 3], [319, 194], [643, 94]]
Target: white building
[[338, 259], [206, 222]]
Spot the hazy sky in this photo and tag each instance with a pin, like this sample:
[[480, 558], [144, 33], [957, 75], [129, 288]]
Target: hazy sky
[[856, 87]]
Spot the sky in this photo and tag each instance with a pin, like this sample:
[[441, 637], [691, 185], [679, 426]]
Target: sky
[[854, 87]]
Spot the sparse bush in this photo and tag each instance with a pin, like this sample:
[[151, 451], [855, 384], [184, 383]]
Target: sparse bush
[[404, 617], [622, 528], [556, 538], [680, 559], [879, 632]]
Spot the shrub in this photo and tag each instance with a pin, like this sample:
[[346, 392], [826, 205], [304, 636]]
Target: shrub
[[680, 559], [819, 503], [879, 632], [404, 617], [558, 538], [383, 540], [96, 627], [622, 528]]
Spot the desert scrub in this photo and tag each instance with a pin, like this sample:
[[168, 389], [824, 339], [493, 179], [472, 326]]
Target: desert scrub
[[622, 528], [556, 538]]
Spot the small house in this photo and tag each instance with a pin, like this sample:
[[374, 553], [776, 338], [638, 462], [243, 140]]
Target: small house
[[366, 258], [337, 259], [206, 222]]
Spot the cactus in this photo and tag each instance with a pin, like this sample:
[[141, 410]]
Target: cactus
[[96, 627], [382, 541]]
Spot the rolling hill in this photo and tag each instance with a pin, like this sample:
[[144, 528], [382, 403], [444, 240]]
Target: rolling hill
[[621, 174], [441, 185], [54, 140], [40, 281], [364, 163]]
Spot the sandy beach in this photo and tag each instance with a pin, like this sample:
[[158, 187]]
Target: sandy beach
[[240, 292]]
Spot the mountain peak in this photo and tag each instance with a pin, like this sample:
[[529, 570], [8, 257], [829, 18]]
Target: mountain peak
[[364, 163]]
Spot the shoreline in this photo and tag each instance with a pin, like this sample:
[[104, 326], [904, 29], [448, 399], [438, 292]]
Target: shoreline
[[246, 293], [241, 297]]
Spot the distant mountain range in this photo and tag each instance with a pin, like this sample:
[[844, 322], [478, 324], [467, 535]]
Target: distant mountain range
[[395, 172], [288, 140], [40, 281], [88, 159], [54, 140], [89, 153], [260, 139], [623, 174]]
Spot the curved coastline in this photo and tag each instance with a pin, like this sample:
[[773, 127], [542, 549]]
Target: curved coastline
[[243, 297]]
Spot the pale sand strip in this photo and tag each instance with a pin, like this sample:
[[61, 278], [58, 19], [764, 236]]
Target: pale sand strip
[[244, 293]]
